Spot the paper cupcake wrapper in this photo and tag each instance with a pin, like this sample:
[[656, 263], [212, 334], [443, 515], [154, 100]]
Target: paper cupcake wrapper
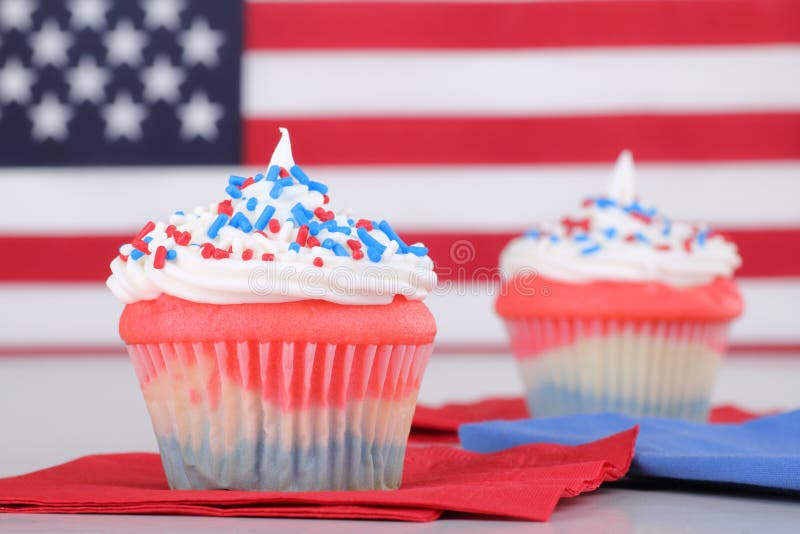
[[641, 368], [281, 416]]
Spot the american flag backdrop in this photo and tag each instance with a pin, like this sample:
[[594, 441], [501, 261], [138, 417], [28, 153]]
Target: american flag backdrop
[[463, 123]]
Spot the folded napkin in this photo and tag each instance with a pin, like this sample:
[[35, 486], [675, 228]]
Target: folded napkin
[[763, 452], [440, 424], [521, 483]]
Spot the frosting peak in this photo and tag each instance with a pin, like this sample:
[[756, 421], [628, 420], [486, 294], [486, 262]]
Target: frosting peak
[[616, 238], [273, 239]]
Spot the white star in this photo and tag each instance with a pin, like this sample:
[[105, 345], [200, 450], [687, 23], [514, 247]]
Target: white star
[[162, 13], [87, 81], [124, 44], [16, 82], [50, 118], [199, 117], [50, 45], [88, 13], [162, 80], [16, 14], [124, 118], [200, 44]]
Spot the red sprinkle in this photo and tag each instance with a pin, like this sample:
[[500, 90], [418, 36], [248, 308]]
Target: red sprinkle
[[571, 224], [274, 226], [630, 237], [247, 254], [160, 258], [221, 254], [312, 242], [149, 227], [123, 257], [663, 247], [354, 244], [284, 173], [170, 231], [207, 250], [302, 235], [259, 232], [267, 256], [364, 223], [225, 207], [183, 238], [687, 244], [325, 199], [358, 254], [323, 215], [140, 245], [641, 216], [249, 181], [588, 202], [318, 262]]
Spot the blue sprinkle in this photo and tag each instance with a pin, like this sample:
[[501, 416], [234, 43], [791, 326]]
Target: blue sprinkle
[[295, 246], [328, 243], [252, 203], [554, 238], [417, 250], [273, 172], [241, 222], [341, 229], [367, 239], [147, 239], [234, 191], [258, 177], [136, 254], [581, 238], [605, 203], [314, 227], [171, 254], [641, 237], [301, 176], [376, 253], [351, 222], [236, 180], [218, 223], [301, 214], [264, 218], [317, 186], [610, 233], [667, 228], [386, 228], [701, 237], [591, 250], [339, 250], [277, 189], [179, 213], [534, 234]]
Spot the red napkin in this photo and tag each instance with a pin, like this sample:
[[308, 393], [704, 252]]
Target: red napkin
[[522, 483], [440, 425]]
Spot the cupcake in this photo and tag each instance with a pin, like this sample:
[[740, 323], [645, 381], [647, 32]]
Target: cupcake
[[618, 308], [279, 345]]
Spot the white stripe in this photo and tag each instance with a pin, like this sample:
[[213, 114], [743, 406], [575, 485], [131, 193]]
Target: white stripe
[[446, 198], [521, 82], [87, 314]]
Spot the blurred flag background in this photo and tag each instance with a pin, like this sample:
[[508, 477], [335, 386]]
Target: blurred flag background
[[463, 123]]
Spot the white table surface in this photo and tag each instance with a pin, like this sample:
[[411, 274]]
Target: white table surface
[[55, 409]]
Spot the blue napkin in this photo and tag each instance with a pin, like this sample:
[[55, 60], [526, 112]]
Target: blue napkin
[[763, 452]]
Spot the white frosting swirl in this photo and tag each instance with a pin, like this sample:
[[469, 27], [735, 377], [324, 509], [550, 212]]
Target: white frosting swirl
[[615, 238], [346, 265]]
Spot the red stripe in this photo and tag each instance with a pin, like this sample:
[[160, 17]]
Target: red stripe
[[469, 25], [442, 349], [568, 139], [767, 253]]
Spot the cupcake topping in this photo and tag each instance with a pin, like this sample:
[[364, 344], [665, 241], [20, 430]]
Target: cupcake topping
[[274, 238], [614, 237]]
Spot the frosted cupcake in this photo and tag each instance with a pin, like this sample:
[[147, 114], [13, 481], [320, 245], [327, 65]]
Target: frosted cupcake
[[279, 345], [618, 308]]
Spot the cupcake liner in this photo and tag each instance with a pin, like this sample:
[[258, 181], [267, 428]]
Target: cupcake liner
[[642, 368], [281, 416]]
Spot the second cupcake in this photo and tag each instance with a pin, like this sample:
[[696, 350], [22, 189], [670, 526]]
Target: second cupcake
[[618, 308]]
